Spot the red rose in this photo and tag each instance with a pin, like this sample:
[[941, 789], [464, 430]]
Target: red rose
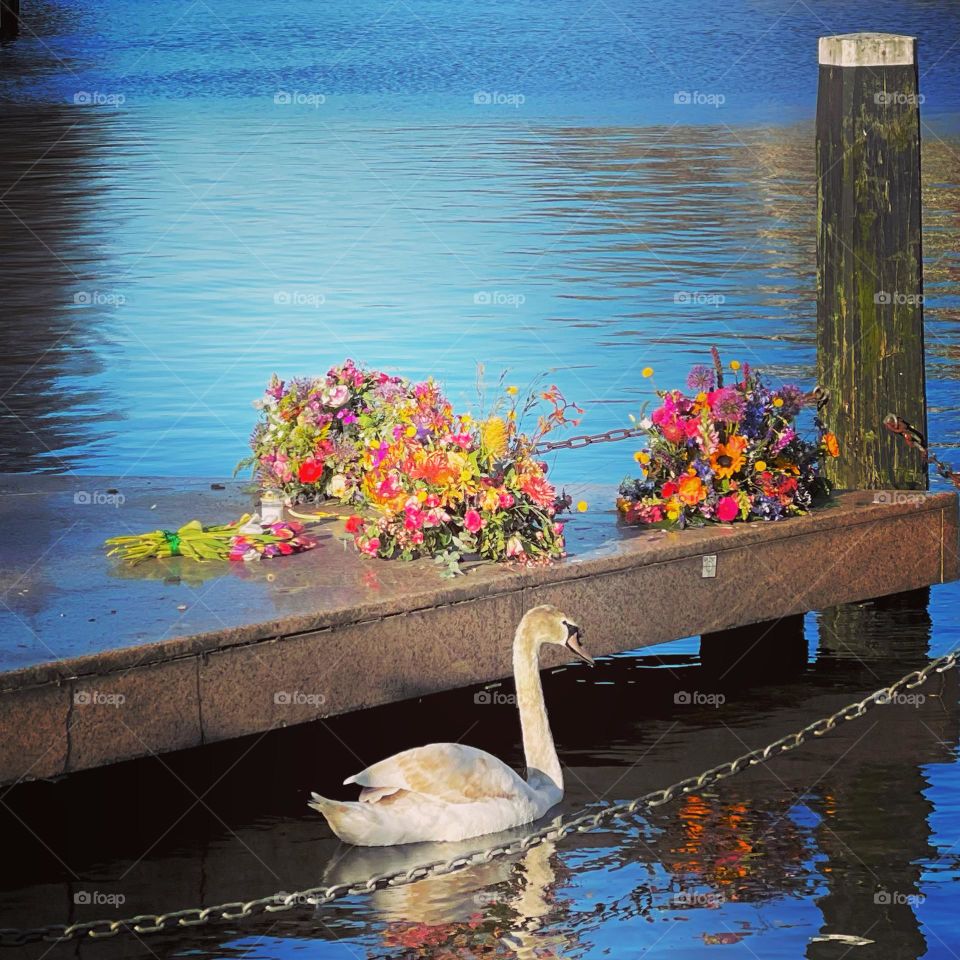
[[669, 489], [310, 471], [354, 523]]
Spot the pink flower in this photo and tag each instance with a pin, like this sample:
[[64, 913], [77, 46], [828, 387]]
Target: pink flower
[[462, 440], [514, 547], [416, 536], [432, 500], [334, 397], [472, 521], [371, 546], [728, 509], [507, 500], [414, 519]]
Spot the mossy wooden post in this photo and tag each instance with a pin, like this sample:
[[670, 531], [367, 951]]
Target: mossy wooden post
[[869, 263]]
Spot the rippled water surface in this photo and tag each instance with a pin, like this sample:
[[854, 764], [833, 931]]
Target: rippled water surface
[[195, 195]]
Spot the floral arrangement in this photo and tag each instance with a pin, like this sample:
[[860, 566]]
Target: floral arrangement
[[243, 540], [309, 441], [728, 453], [429, 481]]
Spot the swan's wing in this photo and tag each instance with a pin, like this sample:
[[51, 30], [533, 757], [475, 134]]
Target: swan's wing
[[452, 772]]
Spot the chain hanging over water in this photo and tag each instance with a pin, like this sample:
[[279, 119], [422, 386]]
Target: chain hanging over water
[[912, 437], [556, 830]]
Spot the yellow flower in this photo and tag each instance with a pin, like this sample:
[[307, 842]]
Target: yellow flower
[[701, 397], [582, 506], [778, 401], [466, 419], [641, 456], [647, 372], [493, 436], [512, 391], [411, 431], [734, 365], [760, 466]]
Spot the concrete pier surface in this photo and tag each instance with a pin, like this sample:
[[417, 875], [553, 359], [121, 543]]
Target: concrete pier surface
[[101, 662]]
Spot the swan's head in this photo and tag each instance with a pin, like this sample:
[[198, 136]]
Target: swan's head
[[547, 624]]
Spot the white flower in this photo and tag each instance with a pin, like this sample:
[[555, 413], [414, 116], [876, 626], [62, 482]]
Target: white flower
[[337, 487], [646, 423]]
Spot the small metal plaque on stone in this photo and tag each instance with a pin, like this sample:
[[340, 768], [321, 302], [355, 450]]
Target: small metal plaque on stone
[[710, 565]]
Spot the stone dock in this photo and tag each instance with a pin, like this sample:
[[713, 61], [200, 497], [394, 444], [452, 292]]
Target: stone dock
[[102, 662]]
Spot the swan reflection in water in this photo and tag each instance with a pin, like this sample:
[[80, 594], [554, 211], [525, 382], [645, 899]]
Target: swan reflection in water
[[501, 907]]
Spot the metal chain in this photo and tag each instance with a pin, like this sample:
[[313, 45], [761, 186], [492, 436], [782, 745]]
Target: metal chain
[[912, 437], [585, 440], [556, 830]]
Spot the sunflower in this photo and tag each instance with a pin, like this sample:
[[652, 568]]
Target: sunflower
[[727, 459]]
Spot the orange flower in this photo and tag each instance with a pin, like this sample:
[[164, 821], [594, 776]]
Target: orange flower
[[830, 442], [691, 490], [727, 459]]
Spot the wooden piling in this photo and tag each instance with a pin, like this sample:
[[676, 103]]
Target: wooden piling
[[870, 353], [9, 19]]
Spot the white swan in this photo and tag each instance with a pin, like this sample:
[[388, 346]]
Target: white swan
[[449, 791]]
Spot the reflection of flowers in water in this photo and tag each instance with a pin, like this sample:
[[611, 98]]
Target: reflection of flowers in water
[[730, 846]]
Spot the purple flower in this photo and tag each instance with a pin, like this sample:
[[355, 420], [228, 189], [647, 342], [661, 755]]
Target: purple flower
[[792, 397], [701, 378], [786, 437], [728, 405]]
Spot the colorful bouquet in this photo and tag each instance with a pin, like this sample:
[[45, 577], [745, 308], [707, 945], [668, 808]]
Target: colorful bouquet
[[309, 441], [430, 482], [728, 453], [244, 540]]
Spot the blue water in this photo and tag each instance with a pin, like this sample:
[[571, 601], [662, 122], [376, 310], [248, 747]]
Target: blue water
[[194, 196]]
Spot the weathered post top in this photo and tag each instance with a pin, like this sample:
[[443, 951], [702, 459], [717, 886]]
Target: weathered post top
[[868, 50]]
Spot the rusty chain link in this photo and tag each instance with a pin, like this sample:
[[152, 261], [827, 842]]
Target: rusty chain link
[[912, 437], [556, 830]]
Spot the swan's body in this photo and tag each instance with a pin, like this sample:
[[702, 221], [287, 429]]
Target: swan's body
[[450, 791]]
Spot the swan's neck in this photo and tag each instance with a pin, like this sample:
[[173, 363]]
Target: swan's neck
[[541, 754]]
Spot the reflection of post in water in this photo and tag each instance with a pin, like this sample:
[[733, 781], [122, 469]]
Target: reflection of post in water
[[874, 828], [9, 19], [895, 629]]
